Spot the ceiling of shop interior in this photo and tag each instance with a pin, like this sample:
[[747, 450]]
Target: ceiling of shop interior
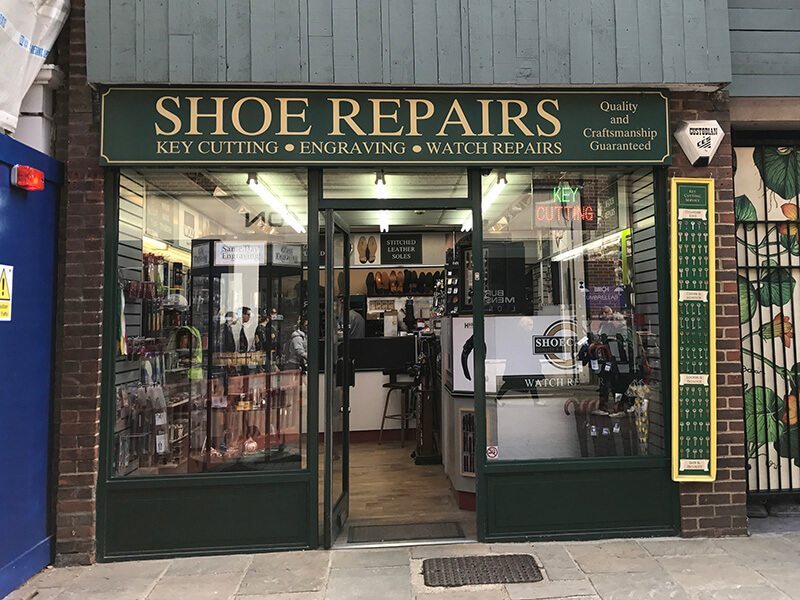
[[224, 196], [407, 219]]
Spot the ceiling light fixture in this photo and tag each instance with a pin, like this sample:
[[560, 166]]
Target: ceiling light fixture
[[274, 202], [154, 243], [380, 184], [488, 199], [607, 240]]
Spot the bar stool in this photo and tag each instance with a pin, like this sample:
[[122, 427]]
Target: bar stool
[[407, 390]]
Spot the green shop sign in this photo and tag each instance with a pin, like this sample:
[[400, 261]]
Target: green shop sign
[[263, 126]]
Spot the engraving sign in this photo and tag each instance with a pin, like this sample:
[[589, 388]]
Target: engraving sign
[[694, 429], [339, 126]]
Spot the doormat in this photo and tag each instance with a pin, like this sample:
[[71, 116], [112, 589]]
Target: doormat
[[479, 570], [359, 534]]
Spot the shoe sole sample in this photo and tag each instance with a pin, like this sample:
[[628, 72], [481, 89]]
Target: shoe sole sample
[[393, 282], [340, 282], [400, 278], [372, 248], [379, 283], [362, 247]]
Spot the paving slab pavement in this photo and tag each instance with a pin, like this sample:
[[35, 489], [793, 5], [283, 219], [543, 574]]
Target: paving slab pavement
[[759, 567]]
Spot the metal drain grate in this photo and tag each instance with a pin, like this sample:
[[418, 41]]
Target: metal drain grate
[[477, 570]]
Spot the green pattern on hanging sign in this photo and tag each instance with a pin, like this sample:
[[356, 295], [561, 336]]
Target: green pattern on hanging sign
[[694, 368]]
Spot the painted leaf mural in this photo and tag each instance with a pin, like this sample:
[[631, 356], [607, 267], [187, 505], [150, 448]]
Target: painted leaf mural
[[767, 213], [761, 407], [748, 300], [780, 169], [776, 286], [789, 233], [788, 444], [745, 212]]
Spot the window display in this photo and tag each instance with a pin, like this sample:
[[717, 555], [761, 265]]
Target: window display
[[211, 371], [572, 315]]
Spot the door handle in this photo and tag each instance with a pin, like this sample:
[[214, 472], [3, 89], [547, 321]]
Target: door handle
[[339, 370]]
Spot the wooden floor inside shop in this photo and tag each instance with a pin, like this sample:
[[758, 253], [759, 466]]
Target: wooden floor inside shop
[[387, 488]]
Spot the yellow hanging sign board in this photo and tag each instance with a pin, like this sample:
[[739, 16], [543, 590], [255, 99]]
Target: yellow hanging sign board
[[694, 372], [6, 291]]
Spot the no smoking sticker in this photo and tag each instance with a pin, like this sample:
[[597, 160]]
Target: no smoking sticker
[[6, 291], [492, 452]]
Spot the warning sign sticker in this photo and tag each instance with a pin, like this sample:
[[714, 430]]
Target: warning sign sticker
[[6, 291]]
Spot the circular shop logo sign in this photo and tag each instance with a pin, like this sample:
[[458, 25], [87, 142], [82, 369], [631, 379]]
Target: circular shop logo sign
[[558, 344]]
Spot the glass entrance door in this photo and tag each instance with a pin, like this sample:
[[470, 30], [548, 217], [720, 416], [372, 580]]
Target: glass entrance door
[[338, 375]]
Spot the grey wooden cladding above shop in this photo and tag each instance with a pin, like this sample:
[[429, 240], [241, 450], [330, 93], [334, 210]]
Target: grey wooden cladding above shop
[[448, 42], [261, 126], [765, 47]]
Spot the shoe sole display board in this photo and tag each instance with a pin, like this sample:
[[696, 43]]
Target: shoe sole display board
[[694, 426]]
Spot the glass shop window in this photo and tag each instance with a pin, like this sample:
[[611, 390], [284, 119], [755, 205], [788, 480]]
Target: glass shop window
[[211, 332], [572, 326]]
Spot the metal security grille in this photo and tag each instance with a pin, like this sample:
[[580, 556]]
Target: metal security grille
[[767, 213]]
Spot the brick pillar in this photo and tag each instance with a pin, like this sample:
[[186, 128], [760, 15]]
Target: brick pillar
[[80, 302], [718, 508]]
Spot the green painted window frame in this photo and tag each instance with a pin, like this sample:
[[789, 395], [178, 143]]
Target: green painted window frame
[[310, 473]]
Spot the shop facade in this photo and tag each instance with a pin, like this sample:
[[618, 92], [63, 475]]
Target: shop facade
[[589, 168]]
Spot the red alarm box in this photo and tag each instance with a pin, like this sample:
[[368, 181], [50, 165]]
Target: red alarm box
[[27, 178]]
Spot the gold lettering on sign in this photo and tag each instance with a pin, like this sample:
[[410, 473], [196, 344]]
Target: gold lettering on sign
[[266, 111], [415, 117], [286, 115], [461, 120], [485, 102], [377, 115], [338, 117], [554, 120], [507, 119], [195, 115], [171, 117]]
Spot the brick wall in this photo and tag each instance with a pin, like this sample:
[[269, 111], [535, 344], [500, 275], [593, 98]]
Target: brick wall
[[718, 508], [80, 302]]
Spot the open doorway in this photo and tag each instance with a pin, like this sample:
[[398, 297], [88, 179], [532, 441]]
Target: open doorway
[[400, 465]]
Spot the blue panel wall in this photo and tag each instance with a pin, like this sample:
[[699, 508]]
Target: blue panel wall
[[28, 243]]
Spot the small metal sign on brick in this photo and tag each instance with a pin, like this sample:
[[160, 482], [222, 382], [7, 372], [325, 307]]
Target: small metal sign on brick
[[694, 430]]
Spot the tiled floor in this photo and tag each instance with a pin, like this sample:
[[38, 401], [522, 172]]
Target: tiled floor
[[762, 567]]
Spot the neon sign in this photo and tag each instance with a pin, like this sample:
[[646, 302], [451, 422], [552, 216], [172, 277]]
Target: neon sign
[[564, 193]]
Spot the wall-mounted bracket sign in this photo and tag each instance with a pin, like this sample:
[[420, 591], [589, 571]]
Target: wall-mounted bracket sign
[[694, 377], [268, 126]]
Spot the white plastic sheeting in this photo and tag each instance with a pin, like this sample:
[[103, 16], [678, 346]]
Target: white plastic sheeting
[[28, 30]]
